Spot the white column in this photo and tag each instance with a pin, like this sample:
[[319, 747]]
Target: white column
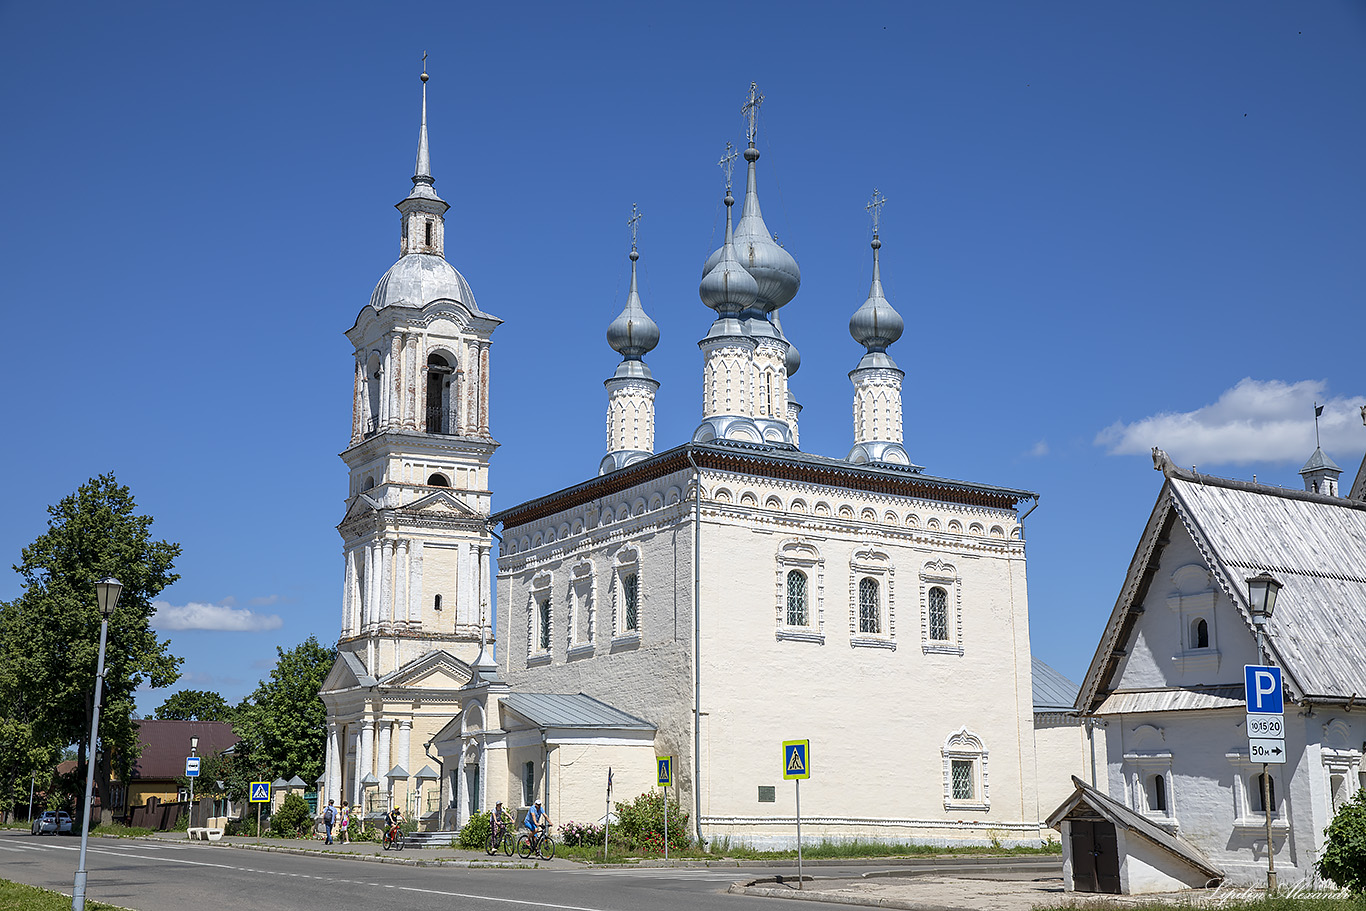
[[367, 753], [401, 581], [386, 575], [472, 383], [483, 405], [395, 381], [405, 739], [410, 415], [464, 594], [350, 601], [386, 729], [415, 583], [485, 604], [352, 750], [332, 786], [370, 609]]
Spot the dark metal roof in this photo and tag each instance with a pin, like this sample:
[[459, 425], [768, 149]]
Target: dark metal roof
[[774, 461], [165, 744], [1120, 815], [564, 710], [1052, 691]]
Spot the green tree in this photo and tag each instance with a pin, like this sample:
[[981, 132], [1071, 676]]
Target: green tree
[[194, 705], [51, 634], [1344, 847], [283, 725]]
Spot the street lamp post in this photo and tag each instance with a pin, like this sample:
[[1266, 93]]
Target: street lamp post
[[194, 751], [1262, 590], [107, 592]]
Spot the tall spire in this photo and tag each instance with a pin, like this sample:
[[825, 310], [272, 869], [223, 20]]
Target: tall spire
[[424, 226], [772, 267], [631, 389], [877, 379], [424, 164]]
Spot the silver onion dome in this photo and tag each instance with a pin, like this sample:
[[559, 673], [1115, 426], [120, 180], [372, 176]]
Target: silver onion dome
[[773, 268], [633, 334], [727, 287], [875, 325], [793, 359]]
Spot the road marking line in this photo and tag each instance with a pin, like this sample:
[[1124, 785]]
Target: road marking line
[[490, 898]]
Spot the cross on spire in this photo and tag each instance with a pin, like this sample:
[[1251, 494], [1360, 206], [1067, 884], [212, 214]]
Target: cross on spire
[[727, 162], [633, 223], [751, 110], [874, 208]]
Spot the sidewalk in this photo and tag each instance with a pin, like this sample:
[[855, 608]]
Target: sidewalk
[[364, 851]]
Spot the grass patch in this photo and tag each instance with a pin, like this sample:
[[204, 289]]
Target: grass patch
[[31, 898], [1224, 900], [850, 849], [118, 830]]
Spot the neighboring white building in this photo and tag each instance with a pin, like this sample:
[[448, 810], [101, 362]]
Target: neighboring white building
[[416, 537], [1168, 674], [735, 592]]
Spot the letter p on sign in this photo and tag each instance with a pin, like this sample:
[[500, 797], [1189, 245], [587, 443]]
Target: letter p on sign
[[1263, 690]]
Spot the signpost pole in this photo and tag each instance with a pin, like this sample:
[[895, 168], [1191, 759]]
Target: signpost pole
[[798, 783], [666, 818], [1270, 845]]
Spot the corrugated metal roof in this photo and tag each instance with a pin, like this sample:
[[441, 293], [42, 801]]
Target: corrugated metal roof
[[1052, 691], [165, 744], [1209, 697], [563, 710], [1120, 815], [1316, 547]]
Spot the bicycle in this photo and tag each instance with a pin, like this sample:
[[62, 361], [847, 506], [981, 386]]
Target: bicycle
[[500, 837], [539, 843], [392, 839]]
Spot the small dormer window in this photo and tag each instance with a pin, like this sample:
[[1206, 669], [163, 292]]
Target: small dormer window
[[1200, 633], [429, 233]]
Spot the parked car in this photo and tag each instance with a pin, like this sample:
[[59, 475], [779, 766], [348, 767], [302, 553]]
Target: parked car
[[55, 822]]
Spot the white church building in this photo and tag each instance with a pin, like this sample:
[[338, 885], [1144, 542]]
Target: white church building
[[705, 602]]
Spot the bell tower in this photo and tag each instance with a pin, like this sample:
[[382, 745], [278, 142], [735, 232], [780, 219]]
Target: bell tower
[[416, 537]]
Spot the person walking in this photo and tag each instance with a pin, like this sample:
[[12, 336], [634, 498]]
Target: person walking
[[345, 825], [329, 818]]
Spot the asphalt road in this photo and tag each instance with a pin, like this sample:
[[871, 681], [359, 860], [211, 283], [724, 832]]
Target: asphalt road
[[157, 876]]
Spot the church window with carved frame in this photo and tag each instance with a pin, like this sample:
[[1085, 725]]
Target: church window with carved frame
[[941, 615], [869, 607], [796, 598], [626, 601], [799, 589], [872, 609], [966, 785]]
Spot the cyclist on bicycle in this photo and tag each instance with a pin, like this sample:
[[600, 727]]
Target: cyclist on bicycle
[[536, 820], [393, 818]]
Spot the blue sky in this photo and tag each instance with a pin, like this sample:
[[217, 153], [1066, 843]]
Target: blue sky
[[1110, 226]]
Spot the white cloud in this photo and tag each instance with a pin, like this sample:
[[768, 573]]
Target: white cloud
[[222, 617], [1255, 421], [1038, 450]]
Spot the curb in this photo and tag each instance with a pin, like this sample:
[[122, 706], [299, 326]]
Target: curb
[[835, 899], [338, 855]]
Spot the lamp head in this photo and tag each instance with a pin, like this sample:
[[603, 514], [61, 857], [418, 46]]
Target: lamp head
[[194, 743], [107, 592], [1262, 589]]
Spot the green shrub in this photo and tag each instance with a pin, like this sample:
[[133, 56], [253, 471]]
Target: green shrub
[[293, 819], [1344, 847], [475, 833], [642, 822]]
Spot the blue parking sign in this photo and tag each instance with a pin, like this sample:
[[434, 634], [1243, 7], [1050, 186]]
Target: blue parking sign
[[1262, 690]]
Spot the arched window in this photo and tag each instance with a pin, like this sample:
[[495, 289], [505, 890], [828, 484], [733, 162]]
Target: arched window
[[796, 598], [869, 607], [1159, 794], [544, 630], [1200, 633], [438, 480], [436, 604], [368, 485], [438, 383], [939, 615]]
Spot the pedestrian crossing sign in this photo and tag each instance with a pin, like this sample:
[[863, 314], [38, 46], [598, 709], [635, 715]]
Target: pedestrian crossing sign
[[260, 792], [665, 778], [796, 759]]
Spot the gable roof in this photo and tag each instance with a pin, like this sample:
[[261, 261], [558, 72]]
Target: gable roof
[[1358, 491], [428, 663], [1120, 815], [165, 744], [1314, 544], [562, 710], [1052, 691], [347, 673]]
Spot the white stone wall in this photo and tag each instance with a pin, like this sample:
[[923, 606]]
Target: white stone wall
[[631, 415], [883, 710], [877, 405]]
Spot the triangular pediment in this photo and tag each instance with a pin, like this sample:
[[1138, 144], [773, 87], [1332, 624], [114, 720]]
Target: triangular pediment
[[347, 673], [435, 670], [360, 505], [443, 501]]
